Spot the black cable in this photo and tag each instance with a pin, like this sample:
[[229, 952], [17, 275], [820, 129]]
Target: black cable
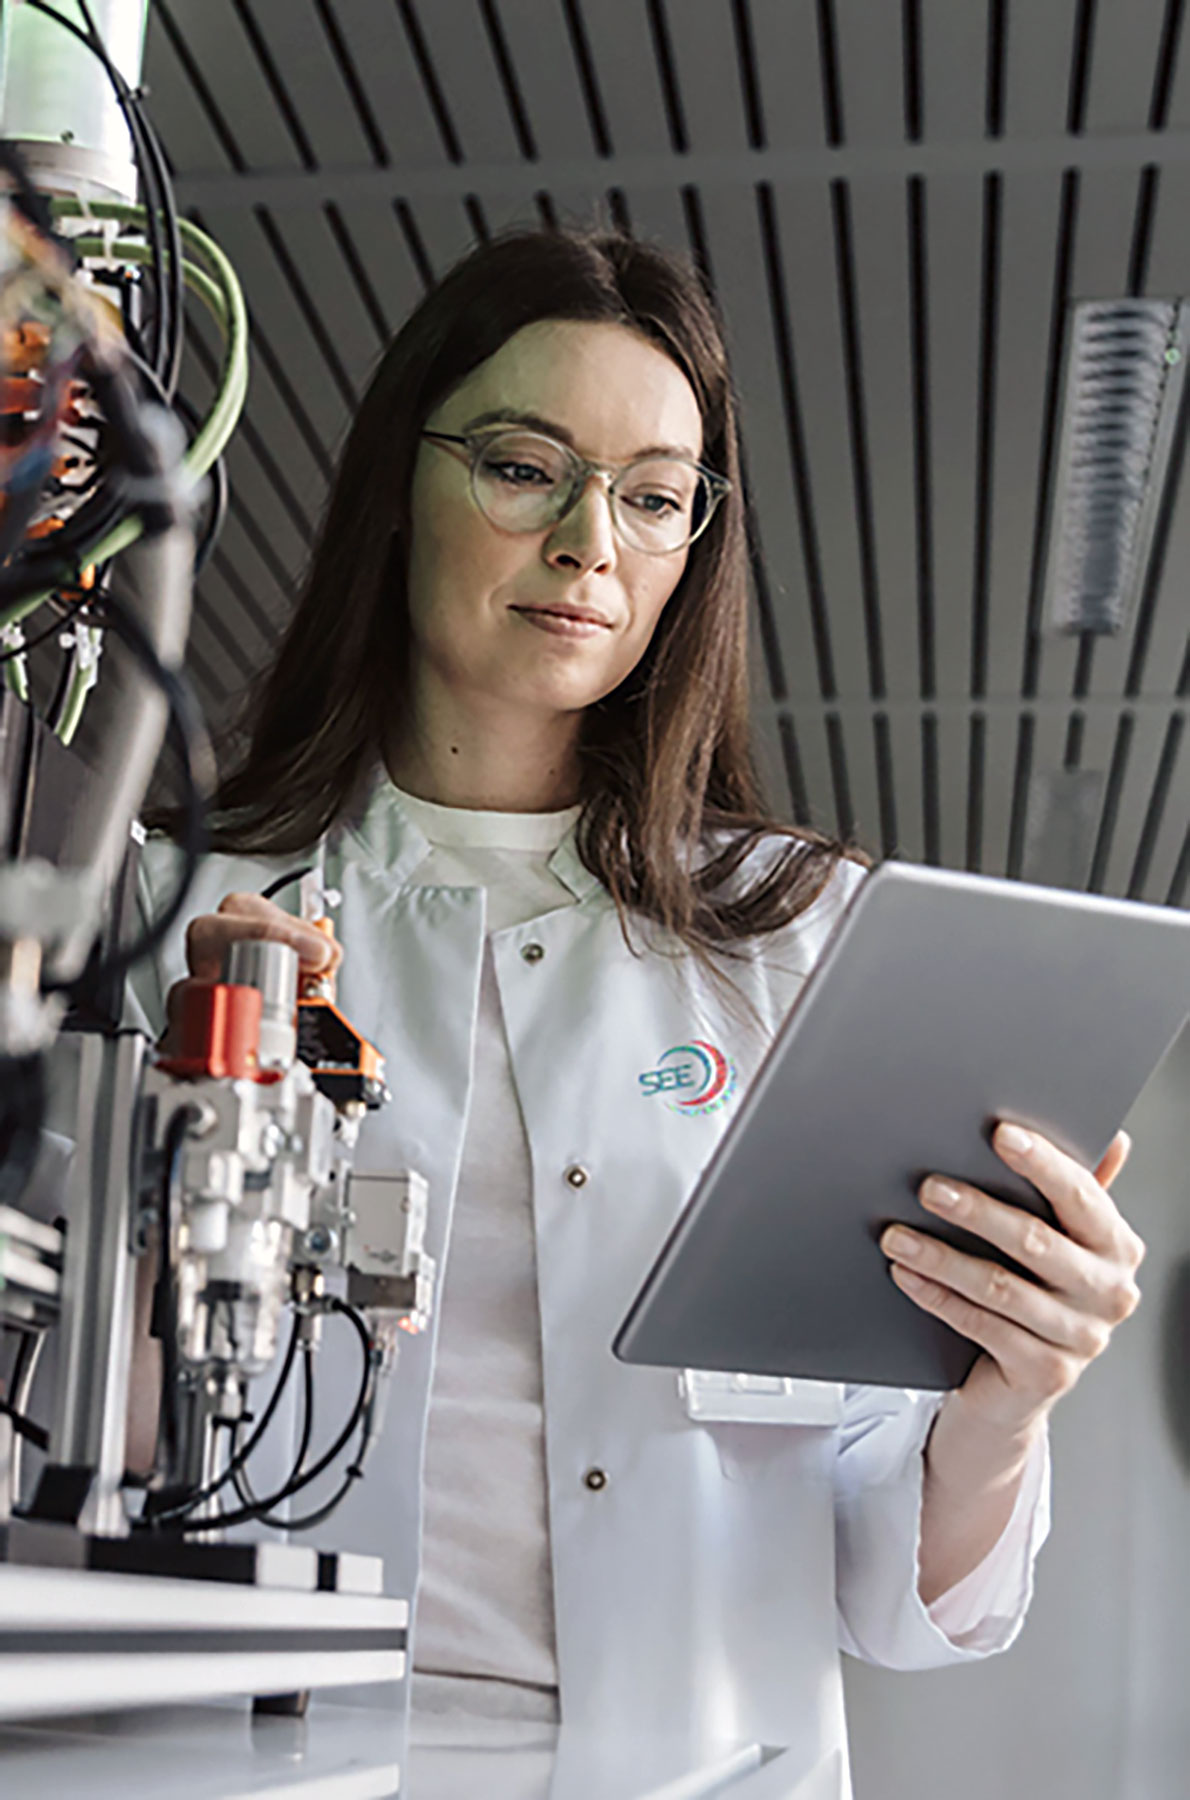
[[186, 726], [242, 1484], [256, 1512], [240, 1456], [33, 1434], [283, 881], [165, 1300], [32, 643]]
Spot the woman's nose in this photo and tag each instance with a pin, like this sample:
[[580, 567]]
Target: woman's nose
[[586, 529]]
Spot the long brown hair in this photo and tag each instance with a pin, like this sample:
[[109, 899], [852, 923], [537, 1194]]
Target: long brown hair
[[672, 804]]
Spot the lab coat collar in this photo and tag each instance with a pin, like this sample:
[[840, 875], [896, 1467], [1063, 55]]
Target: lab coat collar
[[394, 844]]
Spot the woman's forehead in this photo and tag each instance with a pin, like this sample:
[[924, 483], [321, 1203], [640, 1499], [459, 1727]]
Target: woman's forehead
[[613, 393]]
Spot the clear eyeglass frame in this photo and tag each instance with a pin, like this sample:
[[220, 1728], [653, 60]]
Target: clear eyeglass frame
[[476, 442]]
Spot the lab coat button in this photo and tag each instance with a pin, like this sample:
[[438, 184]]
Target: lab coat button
[[577, 1176], [596, 1480], [532, 953]]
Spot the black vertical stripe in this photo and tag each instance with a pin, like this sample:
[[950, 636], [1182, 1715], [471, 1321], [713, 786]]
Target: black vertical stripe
[[213, 616], [989, 319], [911, 73], [369, 298], [1167, 62], [837, 754], [930, 799], [828, 58], [1183, 688], [976, 757], [919, 327], [617, 206], [1081, 683], [476, 218], [1155, 811], [794, 773], [546, 210], [1020, 794], [997, 56], [424, 65], [248, 432], [1142, 228], [414, 242], [1111, 801], [1181, 876], [1150, 595], [346, 65], [860, 464], [745, 47], [667, 75], [1064, 261], [202, 92], [588, 79], [1072, 756], [1080, 66], [282, 98], [513, 97], [886, 783], [296, 281], [796, 438], [247, 599]]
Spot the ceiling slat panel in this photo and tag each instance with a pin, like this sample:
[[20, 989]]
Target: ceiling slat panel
[[708, 71], [1178, 115], [904, 731], [768, 752], [626, 70], [1127, 42], [383, 251], [871, 60], [1148, 738], [388, 74], [816, 769], [444, 229], [314, 82], [954, 70], [1171, 821], [1037, 66], [857, 734], [273, 304], [178, 116], [311, 242], [999, 769], [879, 213], [808, 250], [954, 252], [1030, 229], [463, 60], [217, 42], [788, 67], [952, 788], [548, 77]]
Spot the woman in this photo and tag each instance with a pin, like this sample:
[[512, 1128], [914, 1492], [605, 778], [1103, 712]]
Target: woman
[[510, 710]]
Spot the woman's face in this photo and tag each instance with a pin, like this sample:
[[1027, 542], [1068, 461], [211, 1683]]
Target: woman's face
[[473, 587]]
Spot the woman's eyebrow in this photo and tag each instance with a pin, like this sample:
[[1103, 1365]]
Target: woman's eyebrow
[[513, 415]]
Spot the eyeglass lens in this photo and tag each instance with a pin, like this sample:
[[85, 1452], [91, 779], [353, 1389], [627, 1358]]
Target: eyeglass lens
[[523, 483]]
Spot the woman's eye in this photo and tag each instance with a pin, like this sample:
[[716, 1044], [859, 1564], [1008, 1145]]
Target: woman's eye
[[656, 504], [518, 472]]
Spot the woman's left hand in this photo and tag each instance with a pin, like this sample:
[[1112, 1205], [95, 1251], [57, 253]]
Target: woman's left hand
[[1037, 1335]]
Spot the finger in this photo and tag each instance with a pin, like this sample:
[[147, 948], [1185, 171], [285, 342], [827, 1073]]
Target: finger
[[992, 1287], [1101, 1285], [251, 916], [1084, 1209], [1113, 1159], [1032, 1367]]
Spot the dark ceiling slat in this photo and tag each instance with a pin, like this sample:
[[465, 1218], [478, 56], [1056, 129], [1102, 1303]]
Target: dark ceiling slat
[[789, 75], [309, 309], [832, 90], [229, 81], [414, 242], [1126, 73], [349, 73], [349, 250], [976, 760], [1150, 829], [580, 45], [1168, 53], [675, 118], [509, 81], [997, 49], [386, 263], [1038, 67], [911, 69], [181, 105], [337, 315], [549, 80], [277, 87], [432, 86], [1179, 887], [871, 58], [989, 311], [705, 76], [1110, 813], [886, 786], [467, 77], [794, 772], [745, 40], [1080, 65], [249, 437], [952, 53]]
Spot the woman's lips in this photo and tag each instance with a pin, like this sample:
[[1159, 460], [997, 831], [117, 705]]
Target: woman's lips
[[559, 624]]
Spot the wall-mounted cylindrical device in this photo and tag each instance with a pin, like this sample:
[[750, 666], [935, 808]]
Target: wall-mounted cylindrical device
[[56, 101]]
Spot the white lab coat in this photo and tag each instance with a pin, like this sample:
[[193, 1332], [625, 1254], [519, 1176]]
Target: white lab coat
[[707, 1587]]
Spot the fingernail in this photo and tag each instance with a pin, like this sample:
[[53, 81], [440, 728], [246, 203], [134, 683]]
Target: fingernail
[[1014, 1140], [901, 1243], [940, 1193]]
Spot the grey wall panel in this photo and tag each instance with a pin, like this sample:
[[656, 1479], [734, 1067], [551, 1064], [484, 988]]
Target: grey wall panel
[[462, 56], [1178, 116], [785, 39], [871, 53], [859, 749], [706, 63], [444, 229], [954, 70], [879, 218], [1170, 822], [905, 762], [1037, 66], [384, 253], [314, 82], [224, 56], [626, 70], [1144, 751], [178, 115], [1127, 40], [953, 772], [999, 770], [1031, 215], [311, 242], [388, 73], [808, 249], [954, 209], [548, 78]]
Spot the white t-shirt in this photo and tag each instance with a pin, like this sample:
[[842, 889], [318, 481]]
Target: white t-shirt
[[485, 1610]]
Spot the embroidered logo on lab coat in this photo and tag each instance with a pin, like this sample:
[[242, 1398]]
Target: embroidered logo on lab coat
[[691, 1078]]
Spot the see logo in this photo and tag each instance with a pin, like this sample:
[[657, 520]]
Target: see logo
[[691, 1078]]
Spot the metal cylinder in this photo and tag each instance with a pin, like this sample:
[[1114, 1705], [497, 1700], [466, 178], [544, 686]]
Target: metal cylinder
[[273, 969], [57, 103]]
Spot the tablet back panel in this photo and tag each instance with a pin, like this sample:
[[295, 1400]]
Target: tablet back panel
[[943, 1003]]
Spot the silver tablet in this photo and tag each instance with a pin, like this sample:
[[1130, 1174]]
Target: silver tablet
[[943, 1003]]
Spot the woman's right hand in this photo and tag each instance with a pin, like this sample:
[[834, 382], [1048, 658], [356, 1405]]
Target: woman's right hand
[[246, 916]]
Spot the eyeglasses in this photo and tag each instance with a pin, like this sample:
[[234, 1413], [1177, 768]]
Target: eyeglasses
[[525, 481]]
